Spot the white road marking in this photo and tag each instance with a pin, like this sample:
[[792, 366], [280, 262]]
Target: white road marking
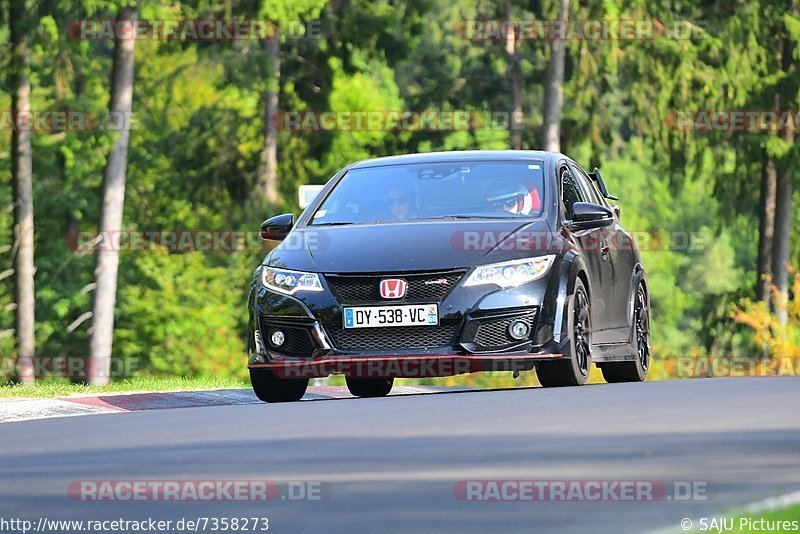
[[27, 410], [15, 410]]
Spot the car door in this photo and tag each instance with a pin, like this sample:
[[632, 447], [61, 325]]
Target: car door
[[619, 256], [591, 244]]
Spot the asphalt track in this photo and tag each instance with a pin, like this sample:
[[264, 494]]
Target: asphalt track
[[391, 464]]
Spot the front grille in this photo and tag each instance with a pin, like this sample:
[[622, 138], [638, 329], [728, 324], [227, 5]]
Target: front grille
[[393, 338], [298, 340], [425, 287]]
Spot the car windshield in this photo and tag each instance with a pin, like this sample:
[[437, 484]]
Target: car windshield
[[426, 191]]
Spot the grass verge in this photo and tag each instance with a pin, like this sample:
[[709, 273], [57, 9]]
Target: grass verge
[[774, 521], [778, 521], [52, 387], [62, 388]]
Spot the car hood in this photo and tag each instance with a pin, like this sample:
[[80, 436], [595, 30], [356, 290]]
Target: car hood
[[411, 246]]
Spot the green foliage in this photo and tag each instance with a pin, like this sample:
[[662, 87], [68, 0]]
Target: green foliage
[[690, 198], [779, 339], [182, 316], [684, 254]]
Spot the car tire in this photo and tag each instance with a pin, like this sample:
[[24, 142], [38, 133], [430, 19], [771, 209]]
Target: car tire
[[634, 370], [573, 369], [369, 387], [270, 388]]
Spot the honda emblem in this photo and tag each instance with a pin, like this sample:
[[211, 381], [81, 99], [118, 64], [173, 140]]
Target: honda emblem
[[393, 288]]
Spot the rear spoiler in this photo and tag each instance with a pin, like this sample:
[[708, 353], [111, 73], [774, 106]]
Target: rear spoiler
[[595, 175]]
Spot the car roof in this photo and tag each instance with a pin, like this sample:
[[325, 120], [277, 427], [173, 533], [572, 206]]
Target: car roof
[[456, 155]]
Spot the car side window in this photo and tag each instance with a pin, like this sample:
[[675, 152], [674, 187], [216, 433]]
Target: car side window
[[570, 191]]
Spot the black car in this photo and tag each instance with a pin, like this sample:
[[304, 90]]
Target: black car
[[446, 263]]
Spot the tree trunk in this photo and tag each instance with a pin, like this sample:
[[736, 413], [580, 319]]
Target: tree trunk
[[766, 229], [514, 77], [553, 89], [783, 205], [106, 257], [267, 179], [780, 249], [22, 178]]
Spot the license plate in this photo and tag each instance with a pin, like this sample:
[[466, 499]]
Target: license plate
[[377, 316]]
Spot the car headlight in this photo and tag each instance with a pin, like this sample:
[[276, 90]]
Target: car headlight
[[289, 282], [510, 273]]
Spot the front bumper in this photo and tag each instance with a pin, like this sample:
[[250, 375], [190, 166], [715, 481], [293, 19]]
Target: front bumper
[[472, 335], [405, 366]]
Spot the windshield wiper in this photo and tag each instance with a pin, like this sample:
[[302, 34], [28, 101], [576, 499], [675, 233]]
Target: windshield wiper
[[462, 217], [336, 223]]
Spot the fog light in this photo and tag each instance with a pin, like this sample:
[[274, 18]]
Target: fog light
[[277, 338], [519, 330]]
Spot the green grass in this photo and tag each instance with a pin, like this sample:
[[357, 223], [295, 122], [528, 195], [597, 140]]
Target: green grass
[[63, 388], [50, 388], [790, 513], [772, 521]]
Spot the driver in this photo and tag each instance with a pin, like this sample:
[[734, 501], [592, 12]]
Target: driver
[[509, 197]]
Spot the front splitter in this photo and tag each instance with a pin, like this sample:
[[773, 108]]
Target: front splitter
[[406, 366]]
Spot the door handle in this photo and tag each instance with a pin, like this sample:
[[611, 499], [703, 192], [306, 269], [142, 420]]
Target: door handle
[[604, 248]]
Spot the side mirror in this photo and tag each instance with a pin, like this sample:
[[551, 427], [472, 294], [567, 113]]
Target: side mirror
[[586, 215], [595, 175], [278, 227]]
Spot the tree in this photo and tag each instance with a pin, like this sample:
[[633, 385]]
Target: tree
[[766, 229], [514, 78], [113, 201], [267, 179], [554, 87], [783, 185], [279, 12], [781, 238], [781, 34], [22, 177], [194, 160]]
